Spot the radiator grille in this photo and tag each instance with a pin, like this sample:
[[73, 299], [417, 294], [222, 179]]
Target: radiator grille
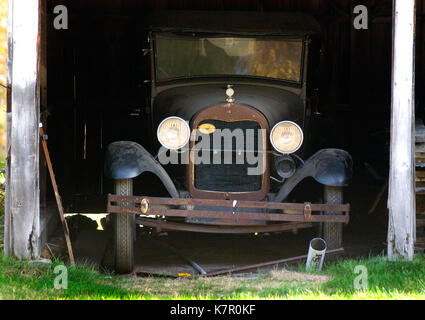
[[228, 177]]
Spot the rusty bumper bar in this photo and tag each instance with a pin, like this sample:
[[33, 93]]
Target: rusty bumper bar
[[258, 210]]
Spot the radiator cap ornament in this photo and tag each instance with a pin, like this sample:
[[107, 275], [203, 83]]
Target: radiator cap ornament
[[230, 92]]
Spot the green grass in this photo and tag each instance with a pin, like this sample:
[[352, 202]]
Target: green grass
[[22, 280], [387, 280]]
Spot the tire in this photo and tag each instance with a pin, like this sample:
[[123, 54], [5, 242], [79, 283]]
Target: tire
[[332, 231], [124, 230]]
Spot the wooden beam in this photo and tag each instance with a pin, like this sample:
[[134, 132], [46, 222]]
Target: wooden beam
[[23, 190], [401, 200]]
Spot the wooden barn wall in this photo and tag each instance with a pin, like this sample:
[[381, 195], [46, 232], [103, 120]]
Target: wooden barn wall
[[96, 72]]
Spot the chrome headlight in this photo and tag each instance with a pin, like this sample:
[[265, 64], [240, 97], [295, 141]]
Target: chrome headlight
[[173, 133], [286, 137]]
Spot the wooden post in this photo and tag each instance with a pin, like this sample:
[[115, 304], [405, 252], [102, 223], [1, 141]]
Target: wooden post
[[401, 200], [23, 220]]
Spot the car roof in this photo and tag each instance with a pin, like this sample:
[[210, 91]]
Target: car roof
[[233, 22]]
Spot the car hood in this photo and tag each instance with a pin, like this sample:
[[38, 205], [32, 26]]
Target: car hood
[[185, 101]]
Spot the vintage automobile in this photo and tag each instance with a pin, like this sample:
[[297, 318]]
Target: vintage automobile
[[233, 96]]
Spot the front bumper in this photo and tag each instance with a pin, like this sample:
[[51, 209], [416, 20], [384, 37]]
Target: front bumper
[[230, 216]]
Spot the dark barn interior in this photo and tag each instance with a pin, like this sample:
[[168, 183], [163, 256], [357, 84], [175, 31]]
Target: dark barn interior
[[97, 90], [97, 84]]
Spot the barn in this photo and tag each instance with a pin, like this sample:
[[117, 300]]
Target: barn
[[87, 80]]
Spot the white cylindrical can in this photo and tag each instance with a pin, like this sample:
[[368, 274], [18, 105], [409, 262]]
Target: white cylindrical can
[[316, 254]]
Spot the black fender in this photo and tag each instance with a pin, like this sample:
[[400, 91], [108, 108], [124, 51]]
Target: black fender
[[330, 167], [127, 160]]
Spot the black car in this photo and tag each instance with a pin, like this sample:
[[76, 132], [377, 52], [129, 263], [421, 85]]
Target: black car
[[231, 111]]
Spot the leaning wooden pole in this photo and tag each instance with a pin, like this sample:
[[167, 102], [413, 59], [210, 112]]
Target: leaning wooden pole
[[401, 200], [57, 196]]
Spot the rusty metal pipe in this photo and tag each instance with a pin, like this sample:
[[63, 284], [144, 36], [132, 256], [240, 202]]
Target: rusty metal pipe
[[266, 264]]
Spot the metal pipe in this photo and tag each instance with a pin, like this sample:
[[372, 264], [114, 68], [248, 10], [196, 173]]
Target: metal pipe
[[316, 254], [266, 264]]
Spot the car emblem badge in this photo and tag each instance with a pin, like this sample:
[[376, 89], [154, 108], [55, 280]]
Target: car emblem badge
[[207, 128]]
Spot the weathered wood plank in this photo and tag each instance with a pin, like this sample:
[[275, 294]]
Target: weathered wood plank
[[420, 223], [419, 131], [24, 225], [420, 174], [420, 184], [420, 148], [420, 156], [401, 201]]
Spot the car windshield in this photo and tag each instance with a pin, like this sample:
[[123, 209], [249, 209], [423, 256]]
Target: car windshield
[[190, 56]]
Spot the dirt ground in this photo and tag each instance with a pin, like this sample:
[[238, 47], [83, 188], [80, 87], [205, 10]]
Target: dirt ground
[[217, 252], [161, 254]]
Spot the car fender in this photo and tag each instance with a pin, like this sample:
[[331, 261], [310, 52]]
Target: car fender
[[330, 167], [127, 160]]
